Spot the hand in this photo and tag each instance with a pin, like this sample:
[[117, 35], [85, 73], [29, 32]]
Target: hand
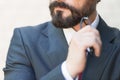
[[84, 38]]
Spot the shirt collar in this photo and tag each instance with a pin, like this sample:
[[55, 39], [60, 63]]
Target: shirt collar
[[69, 32]]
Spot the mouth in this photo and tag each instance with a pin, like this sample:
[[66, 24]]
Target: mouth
[[65, 12], [59, 9]]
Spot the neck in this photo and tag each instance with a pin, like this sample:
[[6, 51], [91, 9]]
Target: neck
[[91, 18]]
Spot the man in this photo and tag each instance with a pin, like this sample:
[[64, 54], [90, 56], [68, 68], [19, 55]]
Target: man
[[58, 50]]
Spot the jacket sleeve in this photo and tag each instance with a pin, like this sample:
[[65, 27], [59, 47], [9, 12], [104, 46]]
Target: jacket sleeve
[[18, 65], [55, 74]]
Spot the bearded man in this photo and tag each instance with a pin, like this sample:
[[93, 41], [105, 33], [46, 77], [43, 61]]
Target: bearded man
[[59, 49]]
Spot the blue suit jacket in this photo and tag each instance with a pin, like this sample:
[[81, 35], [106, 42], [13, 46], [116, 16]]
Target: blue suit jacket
[[36, 53]]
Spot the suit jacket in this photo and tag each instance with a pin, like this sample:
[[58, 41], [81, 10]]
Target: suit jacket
[[36, 53]]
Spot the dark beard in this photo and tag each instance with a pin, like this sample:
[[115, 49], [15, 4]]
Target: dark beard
[[68, 22], [71, 20]]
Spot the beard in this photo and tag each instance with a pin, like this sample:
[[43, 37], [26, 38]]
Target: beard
[[73, 19]]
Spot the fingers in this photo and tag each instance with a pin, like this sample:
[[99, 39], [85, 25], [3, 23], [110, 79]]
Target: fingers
[[91, 38], [81, 40], [97, 47]]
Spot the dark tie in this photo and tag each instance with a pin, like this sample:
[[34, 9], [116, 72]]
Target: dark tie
[[80, 77]]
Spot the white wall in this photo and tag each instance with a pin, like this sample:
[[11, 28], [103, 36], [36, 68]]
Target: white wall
[[17, 13], [110, 11]]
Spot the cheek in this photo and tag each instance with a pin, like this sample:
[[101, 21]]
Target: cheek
[[85, 4], [73, 3], [79, 3]]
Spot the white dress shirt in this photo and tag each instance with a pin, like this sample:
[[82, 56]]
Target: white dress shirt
[[68, 35]]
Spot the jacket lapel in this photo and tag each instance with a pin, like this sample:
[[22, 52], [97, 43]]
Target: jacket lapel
[[96, 66], [58, 46]]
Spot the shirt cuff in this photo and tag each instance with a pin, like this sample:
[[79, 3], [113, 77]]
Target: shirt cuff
[[66, 73]]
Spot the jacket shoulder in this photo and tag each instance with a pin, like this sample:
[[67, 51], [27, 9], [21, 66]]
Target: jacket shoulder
[[33, 33], [36, 28]]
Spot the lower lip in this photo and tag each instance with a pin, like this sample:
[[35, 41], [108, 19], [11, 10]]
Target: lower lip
[[59, 9]]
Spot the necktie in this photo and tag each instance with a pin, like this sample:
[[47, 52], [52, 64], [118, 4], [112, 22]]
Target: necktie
[[80, 77]]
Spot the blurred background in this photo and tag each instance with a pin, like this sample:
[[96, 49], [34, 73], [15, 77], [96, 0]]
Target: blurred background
[[20, 13]]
